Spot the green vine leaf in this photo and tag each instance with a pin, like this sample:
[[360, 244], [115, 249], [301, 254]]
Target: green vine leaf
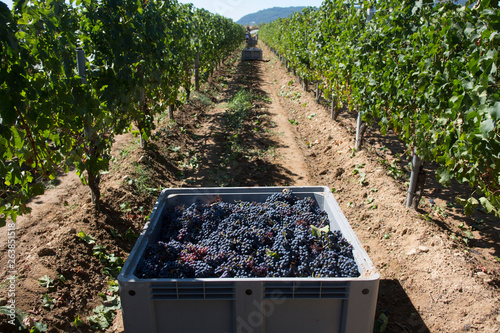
[[315, 231]]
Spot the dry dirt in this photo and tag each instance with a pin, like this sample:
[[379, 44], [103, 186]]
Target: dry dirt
[[438, 268]]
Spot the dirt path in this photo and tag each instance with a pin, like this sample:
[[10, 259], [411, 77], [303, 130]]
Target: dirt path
[[262, 151], [438, 267], [291, 155]]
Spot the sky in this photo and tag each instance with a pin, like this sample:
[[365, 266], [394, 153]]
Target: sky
[[236, 9]]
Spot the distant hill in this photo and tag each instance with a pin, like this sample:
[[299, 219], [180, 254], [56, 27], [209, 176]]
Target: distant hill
[[268, 15], [271, 14]]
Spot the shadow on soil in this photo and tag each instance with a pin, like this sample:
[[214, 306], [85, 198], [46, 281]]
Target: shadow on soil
[[438, 204], [242, 157], [395, 304]]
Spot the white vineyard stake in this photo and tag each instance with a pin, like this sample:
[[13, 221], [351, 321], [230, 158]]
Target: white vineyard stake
[[358, 131]]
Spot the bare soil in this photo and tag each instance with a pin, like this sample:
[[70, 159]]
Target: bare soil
[[438, 267]]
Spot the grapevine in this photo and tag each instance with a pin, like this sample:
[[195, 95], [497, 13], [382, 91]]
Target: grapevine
[[138, 60], [427, 71]]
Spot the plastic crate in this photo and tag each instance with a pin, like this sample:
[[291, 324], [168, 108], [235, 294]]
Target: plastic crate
[[251, 42], [251, 53], [248, 304]]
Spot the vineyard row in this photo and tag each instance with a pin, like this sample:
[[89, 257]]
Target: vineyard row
[[73, 74], [428, 71]]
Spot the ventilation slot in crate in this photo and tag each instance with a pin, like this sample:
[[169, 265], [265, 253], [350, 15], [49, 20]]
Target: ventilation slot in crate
[[193, 290], [306, 290]]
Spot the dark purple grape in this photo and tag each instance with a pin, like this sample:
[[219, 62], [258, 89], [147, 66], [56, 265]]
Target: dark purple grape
[[248, 239]]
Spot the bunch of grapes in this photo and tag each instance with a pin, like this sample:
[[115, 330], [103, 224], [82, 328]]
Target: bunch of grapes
[[282, 237]]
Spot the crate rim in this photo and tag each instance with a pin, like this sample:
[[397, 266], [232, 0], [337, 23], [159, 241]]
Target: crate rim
[[370, 273]]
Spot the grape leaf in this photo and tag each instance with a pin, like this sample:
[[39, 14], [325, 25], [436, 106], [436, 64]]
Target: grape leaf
[[317, 231], [495, 111], [486, 204], [486, 128], [273, 254]]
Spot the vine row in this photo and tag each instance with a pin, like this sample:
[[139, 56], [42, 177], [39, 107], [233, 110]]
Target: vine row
[[427, 71], [137, 57]]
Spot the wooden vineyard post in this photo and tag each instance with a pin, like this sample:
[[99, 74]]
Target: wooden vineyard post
[[371, 11], [197, 72], [171, 111], [80, 64], [360, 131], [417, 181], [93, 180], [332, 109], [187, 87], [305, 85], [318, 93], [360, 126], [143, 105]]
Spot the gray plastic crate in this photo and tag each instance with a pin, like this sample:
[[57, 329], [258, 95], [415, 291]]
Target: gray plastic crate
[[248, 305], [251, 42], [251, 53]]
